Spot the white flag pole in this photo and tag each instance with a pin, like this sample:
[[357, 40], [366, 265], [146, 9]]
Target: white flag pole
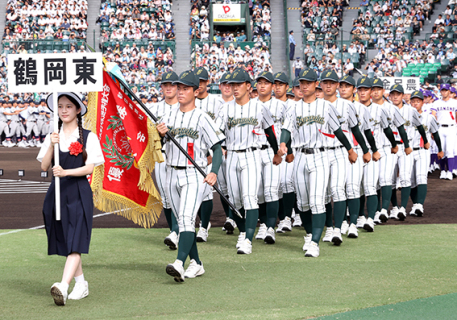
[[56, 153]]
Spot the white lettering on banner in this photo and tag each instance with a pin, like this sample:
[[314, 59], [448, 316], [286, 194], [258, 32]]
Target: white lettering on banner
[[140, 137], [409, 84], [226, 12], [104, 102], [115, 173], [122, 112]]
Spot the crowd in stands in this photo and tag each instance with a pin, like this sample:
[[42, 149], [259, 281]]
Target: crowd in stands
[[321, 20]]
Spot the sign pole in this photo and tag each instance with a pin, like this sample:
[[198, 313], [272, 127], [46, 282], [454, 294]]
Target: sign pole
[[56, 153]]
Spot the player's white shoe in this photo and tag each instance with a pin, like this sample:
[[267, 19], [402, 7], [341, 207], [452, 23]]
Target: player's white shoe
[[80, 291], [449, 175], [202, 235], [5, 143], [229, 226], [369, 225], [171, 240], [336, 238], [245, 247], [38, 144], [353, 232], [443, 175], [418, 210], [361, 221], [383, 216], [313, 250], [284, 225], [241, 238], [328, 235], [270, 236], [194, 269], [297, 221], [262, 232], [59, 293], [176, 270], [308, 238], [394, 213], [22, 144], [376, 219], [344, 227], [11, 144], [32, 144], [401, 214]]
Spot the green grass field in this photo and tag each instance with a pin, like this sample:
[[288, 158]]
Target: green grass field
[[127, 279]]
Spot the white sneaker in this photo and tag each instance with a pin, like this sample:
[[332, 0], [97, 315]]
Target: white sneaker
[[176, 270], [313, 250], [419, 210], [171, 240], [262, 232], [361, 221], [394, 213], [328, 235], [369, 225], [402, 214], [59, 294], [194, 269], [297, 221], [38, 144], [413, 210], [11, 144], [30, 143], [449, 175], [229, 226], [376, 219], [5, 143], [241, 238], [353, 232], [284, 225], [270, 236], [336, 238], [443, 175], [383, 216], [344, 227], [245, 247], [80, 290], [202, 235], [308, 238]]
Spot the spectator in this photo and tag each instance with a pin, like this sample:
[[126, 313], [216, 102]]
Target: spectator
[[292, 45]]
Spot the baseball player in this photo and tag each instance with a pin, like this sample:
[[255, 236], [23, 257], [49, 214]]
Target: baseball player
[[4, 128], [253, 94], [31, 123], [196, 132], [170, 102], [290, 95], [405, 160], [319, 92], [243, 121], [429, 109], [41, 123], [312, 118], [421, 156], [16, 127], [446, 112]]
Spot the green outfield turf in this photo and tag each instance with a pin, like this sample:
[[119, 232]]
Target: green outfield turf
[[126, 274]]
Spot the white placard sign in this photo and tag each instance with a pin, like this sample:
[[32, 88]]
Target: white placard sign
[[226, 12], [55, 72], [409, 84]]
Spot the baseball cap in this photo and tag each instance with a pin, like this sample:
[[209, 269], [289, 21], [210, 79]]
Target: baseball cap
[[254, 85], [397, 88], [201, 73], [377, 83], [319, 86], [428, 93], [290, 92], [417, 94], [453, 90], [308, 75], [364, 82], [225, 77], [267, 76], [239, 76], [281, 77], [348, 79], [188, 78], [329, 75], [445, 86], [169, 77]]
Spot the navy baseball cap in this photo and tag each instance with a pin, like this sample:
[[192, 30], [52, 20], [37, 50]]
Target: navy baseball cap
[[308, 75], [188, 78], [281, 77], [417, 94], [267, 76], [348, 79], [239, 76], [201, 73], [364, 82], [397, 88], [329, 75], [225, 77], [445, 86], [377, 83], [169, 77]]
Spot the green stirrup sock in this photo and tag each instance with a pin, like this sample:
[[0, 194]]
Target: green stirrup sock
[[421, 193], [413, 195], [362, 206], [318, 226], [225, 206], [307, 220], [251, 222], [272, 213], [263, 213], [281, 214], [378, 192], [394, 198], [186, 240], [328, 215], [354, 209], [288, 203], [171, 220], [339, 209], [405, 196], [240, 222], [386, 196], [193, 254], [372, 205], [206, 209]]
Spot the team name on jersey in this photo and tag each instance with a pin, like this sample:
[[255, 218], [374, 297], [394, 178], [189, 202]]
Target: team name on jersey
[[279, 120], [212, 115], [233, 122], [183, 132], [444, 109], [408, 123], [308, 120]]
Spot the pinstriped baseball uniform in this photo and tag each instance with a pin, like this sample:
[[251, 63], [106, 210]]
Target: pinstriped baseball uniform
[[3, 123], [196, 133], [41, 121], [16, 127], [160, 170], [286, 169], [243, 126], [32, 121], [311, 171], [428, 108], [222, 175], [421, 156], [445, 113]]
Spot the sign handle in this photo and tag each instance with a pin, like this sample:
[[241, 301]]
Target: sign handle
[[56, 153]]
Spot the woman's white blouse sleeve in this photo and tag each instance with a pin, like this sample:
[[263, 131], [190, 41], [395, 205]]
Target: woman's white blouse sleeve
[[44, 148], [94, 150]]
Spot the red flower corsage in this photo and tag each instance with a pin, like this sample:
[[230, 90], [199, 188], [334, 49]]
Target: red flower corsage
[[75, 148]]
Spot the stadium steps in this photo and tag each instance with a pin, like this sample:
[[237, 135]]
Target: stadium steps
[[2, 16], [279, 58], [293, 19], [181, 16], [92, 15], [348, 16], [428, 25]]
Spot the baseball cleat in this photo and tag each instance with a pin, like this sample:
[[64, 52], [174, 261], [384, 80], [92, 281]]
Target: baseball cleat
[[194, 270], [80, 291], [270, 236], [401, 214], [361, 221], [419, 210], [328, 235], [383, 216], [297, 221], [443, 175], [376, 219], [369, 225], [353, 232], [284, 225], [336, 238], [313, 250], [202, 235], [241, 238], [344, 227], [176, 270], [413, 210], [449, 175], [229, 226], [245, 247], [308, 238], [394, 213], [171, 240], [262, 232], [59, 294]]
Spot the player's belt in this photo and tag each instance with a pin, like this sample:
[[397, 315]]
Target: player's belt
[[244, 150], [415, 149], [163, 151], [311, 151], [334, 148], [264, 147], [183, 167], [447, 125]]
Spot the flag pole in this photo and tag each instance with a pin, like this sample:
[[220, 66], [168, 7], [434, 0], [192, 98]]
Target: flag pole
[[56, 153], [170, 137]]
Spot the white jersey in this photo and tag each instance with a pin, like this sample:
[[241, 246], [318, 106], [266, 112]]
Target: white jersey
[[278, 111], [412, 119], [445, 111], [365, 122], [3, 115], [15, 117], [428, 108], [430, 126], [211, 105], [347, 117], [32, 114], [379, 121], [291, 104], [195, 132], [243, 125], [394, 117], [159, 109], [312, 121], [41, 113]]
